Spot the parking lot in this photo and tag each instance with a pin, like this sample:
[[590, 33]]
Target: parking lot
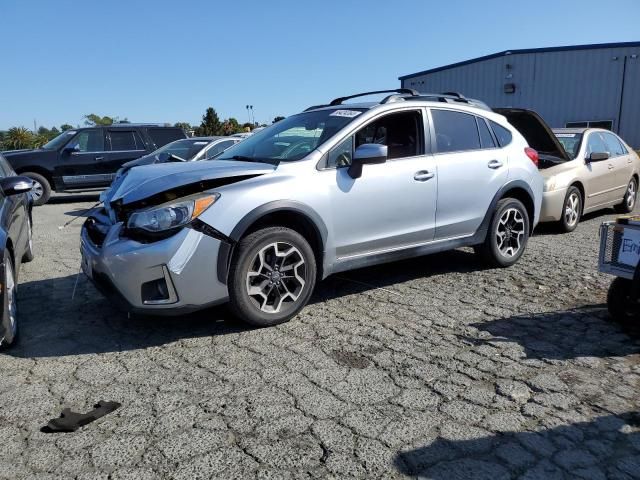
[[433, 366]]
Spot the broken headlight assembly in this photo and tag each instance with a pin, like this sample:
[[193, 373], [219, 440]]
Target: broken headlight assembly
[[163, 220]]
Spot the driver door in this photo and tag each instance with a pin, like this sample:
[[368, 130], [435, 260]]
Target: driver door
[[393, 204], [80, 159]]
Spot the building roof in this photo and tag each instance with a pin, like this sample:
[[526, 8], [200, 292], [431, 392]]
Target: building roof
[[591, 46]]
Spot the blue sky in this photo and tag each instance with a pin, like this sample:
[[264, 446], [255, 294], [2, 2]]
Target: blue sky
[[157, 61]]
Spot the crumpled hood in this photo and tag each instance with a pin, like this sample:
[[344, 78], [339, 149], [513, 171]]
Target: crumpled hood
[[146, 181], [150, 159]]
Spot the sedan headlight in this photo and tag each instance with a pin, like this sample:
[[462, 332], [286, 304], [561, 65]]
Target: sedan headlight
[[171, 215]]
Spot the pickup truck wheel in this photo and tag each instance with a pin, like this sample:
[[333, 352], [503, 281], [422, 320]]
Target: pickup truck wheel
[[507, 235], [9, 304], [41, 191], [629, 200], [271, 276], [571, 210]]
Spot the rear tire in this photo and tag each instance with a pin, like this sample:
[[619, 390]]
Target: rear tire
[[9, 305], [41, 191], [271, 276], [571, 210], [507, 236], [622, 307], [630, 196]]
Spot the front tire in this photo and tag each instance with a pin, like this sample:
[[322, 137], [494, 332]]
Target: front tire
[[507, 235], [622, 307], [9, 307], [571, 210], [41, 191], [629, 201], [271, 277]]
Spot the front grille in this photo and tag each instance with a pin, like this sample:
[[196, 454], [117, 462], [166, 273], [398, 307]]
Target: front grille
[[97, 226]]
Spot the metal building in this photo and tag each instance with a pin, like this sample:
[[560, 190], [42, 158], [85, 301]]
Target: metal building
[[581, 85]]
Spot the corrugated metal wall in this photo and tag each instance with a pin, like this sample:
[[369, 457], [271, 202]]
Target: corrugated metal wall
[[563, 86]]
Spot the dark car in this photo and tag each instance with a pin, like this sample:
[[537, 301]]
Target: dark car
[[16, 242], [87, 158]]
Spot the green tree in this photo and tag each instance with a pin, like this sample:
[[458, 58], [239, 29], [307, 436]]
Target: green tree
[[211, 124], [65, 126], [231, 126], [277, 119], [17, 138], [92, 120], [183, 125]]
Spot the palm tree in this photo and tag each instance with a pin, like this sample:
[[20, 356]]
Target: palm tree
[[17, 138]]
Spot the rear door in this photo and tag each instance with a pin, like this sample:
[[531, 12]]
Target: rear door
[[124, 145], [622, 162], [472, 167], [81, 168], [601, 183]]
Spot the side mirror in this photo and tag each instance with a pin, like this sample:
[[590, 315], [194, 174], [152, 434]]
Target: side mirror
[[367, 153], [71, 148], [15, 185], [598, 156]]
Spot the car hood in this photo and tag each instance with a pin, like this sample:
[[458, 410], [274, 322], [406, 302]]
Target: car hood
[[28, 154], [161, 180], [150, 159], [535, 131]]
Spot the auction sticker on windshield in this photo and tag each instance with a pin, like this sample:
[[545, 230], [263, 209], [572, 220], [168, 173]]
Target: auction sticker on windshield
[[345, 113]]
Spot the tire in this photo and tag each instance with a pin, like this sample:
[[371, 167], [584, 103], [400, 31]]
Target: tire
[[621, 307], [571, 210], [41, 191], [9, 306], [28, 253], [494, 251], [273, 303], [630, 196]]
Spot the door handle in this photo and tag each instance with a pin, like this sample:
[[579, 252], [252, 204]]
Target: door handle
[[629, 160], [610, 167], [99, 159], [423, 175], [495, 164]]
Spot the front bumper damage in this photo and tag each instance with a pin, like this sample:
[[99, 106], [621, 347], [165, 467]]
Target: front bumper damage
[[171, 276]]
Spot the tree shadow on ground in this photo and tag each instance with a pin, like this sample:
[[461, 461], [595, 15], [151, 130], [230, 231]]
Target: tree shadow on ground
[[52, 324], [580, 332], [607, 447]]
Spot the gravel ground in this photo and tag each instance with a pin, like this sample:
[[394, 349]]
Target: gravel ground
[[435, 367]]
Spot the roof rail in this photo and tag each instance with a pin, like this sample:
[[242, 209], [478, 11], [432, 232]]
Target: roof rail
[[453, 97], [126, 124], [405, 91]]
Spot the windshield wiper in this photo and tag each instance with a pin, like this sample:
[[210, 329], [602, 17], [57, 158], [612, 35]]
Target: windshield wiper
[[244, 158]]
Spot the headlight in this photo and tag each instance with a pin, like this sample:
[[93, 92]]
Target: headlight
[[171, 215], [550, 184]]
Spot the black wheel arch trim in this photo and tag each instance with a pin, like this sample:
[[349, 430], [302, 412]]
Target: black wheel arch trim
[[226, 248], [481, 234]]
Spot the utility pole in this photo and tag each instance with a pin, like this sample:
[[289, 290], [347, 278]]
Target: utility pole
[[35, 129]]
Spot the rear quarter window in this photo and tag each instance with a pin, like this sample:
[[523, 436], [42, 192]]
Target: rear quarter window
[[455, 131], [162, 136], [503, 135]]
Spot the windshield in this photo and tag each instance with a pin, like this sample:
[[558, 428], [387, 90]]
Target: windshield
[[185, 149], [571, 142], [293, 138], [59, 141]]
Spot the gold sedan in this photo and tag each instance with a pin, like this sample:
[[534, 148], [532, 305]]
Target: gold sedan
[[600, 171]]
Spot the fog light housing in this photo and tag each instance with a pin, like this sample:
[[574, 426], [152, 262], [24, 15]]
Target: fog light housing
[[159, 291]]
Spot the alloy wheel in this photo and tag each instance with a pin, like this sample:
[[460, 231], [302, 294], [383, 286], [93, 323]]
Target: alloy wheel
[[572, 209], [12, 306], [631, 194], [276, 276], [510, 232], [37, 190]]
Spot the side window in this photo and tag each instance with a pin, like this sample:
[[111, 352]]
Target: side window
[[614, 147], [502, 134], [455, 131], [595, 144], [341, 155], [486, 139], [401, 132], [89, 140], [125, 140], [219, 147]]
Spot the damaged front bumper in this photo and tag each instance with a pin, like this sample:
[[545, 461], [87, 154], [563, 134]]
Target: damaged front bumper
[[171, 276]]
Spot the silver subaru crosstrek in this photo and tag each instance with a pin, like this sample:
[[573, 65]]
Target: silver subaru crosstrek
[[336, 187]]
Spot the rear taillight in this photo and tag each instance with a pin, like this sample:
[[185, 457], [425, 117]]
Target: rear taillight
[[533, 155]]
